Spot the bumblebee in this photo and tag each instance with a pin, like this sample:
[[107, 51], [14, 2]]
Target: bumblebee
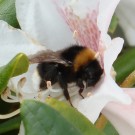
[[73, 64]]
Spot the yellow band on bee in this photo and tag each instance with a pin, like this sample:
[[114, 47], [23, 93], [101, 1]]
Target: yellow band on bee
[[84, 56]]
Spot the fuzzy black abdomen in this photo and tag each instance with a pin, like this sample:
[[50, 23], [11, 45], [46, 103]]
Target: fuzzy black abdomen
[[50, 71]]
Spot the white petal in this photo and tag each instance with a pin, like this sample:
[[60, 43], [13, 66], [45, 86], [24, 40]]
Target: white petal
[[107, 91], [13, 41], [80, 8], [42, 21], [111, 54], [28, 86], [22, 130], [125, 12], [122, 116], [106, 10]]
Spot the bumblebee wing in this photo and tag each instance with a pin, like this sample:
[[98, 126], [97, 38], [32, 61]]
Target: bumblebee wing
[[47, 56]]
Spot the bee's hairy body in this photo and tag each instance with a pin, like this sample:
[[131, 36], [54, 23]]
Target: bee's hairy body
[[81, 66]]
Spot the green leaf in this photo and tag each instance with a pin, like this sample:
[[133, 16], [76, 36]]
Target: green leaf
[[110, 130], [39, 118], [125, 64], [113, 25], [8, 12], [74, 117], [18, 65], [10, 124], [104, 125]]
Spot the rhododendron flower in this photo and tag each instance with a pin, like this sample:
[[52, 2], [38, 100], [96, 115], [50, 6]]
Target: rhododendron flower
[[56, 25], [125, 14]]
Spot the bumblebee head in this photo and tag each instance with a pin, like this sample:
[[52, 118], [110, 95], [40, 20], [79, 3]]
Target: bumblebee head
[[92, 73]]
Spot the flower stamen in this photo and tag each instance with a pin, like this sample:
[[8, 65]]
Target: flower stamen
[[9, 115], [8, 97]]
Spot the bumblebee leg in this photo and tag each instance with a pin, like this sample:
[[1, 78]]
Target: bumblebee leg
[[81, 86], [43, 85], [63, 85]]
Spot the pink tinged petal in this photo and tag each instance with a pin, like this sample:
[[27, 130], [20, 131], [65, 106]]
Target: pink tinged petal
[[14, 41], [125, 13], [122, 116], [106, 10], [41, 20], [81, 16]]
